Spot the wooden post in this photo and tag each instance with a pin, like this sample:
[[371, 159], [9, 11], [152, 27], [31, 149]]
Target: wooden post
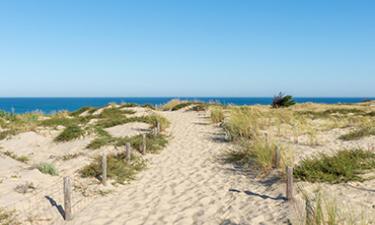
[[158, 128], [128, 152], [289, 183], [277, 158], [104, 169], [144, 146], [67, 199]]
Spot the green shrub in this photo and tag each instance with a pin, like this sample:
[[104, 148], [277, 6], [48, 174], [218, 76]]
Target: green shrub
[[48, 168], [117, 167], [70, 133], [282, 100], [358, 134], [344, 166]]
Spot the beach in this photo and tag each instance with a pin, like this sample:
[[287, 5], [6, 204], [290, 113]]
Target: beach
[[188, 181]]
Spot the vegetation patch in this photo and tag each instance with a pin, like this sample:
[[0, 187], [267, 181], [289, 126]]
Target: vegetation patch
[[257, 154], [22, 158], [117, 167], [217, 114], [70, 133], [78, 112], [345, 166], [8, 217], [48, 168], [282, 100], [358, 134]]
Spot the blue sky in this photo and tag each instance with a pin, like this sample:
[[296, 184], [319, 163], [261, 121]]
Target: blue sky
[[187, 48]]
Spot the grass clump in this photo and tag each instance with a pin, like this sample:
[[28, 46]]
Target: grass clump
[[342, 167], [217, 114], [243, 123], [70, 133], [48, 168], [358, 134], [78, 112], [8, 217], [23, 158], [257, 154], [171, 104], [117, 168], [282, 100]]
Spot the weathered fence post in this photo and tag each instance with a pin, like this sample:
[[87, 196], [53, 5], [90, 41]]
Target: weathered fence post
[[144, 146], [277, 158], [67, 199], [158, 128], [128, 152], [104, 169], [289, 183]]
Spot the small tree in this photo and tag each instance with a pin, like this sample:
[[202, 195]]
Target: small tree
[[282, 100]]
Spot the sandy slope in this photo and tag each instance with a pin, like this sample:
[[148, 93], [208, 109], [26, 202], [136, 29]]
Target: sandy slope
[[186, 184]]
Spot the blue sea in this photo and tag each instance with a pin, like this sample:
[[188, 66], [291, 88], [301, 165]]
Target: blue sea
[[50, 105]]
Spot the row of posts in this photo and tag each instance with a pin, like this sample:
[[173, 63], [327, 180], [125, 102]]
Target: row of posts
[[68, 183]]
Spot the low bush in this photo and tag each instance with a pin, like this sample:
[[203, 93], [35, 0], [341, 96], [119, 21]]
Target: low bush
[[117, 167], [48, 168], [70, 133], [346, 165], [282, 100]]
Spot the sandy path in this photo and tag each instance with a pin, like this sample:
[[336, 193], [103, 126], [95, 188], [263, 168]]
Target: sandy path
[[185, 184]]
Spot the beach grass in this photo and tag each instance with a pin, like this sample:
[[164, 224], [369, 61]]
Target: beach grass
[[21, 158], [217, 114], [48, 168], [359, 133], [344, 166], [118, 168], [70, 133]]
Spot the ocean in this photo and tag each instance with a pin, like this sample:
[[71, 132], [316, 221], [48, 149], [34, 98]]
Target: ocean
[[50, 105]]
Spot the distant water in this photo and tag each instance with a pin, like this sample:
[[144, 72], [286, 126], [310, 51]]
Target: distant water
[[49, 105]]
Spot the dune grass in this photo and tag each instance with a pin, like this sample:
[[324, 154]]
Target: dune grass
[[258, 154], [171, 104], [78, 112], [345, 166], [217, 114], [8, 217], [359, 133], [48, 168], [70, 133], [117, 168], [21, 158]]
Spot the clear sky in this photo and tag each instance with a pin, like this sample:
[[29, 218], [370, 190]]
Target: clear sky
[[187, 48]]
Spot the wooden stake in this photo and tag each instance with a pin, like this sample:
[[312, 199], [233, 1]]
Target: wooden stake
[[104, 169], [277, 158], [289, 183], [144, 146], [158, 128], [128, 152], [67, 199]]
